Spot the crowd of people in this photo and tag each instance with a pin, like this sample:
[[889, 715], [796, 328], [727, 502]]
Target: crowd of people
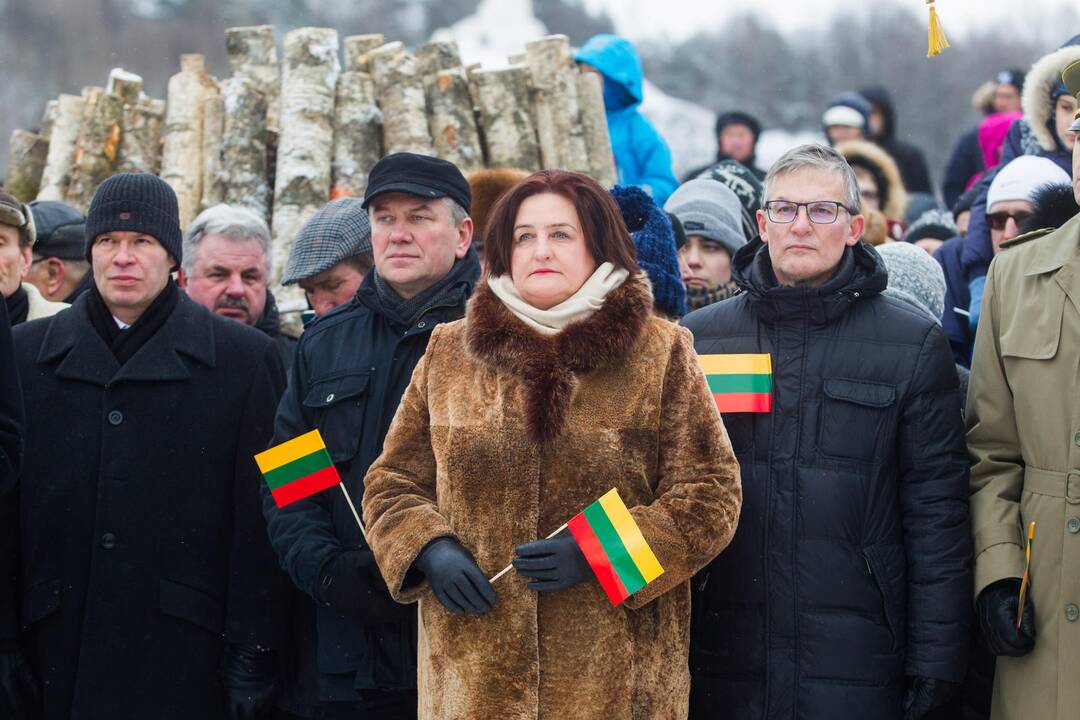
[[843, 417]]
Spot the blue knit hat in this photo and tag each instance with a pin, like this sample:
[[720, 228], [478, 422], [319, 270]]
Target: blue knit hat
[[655, 243]]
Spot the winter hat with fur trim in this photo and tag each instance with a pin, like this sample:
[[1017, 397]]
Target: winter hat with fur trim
[[136, 202], [18, 216]]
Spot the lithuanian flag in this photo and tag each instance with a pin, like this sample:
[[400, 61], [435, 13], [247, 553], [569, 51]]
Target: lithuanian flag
[[615, 548], [297, 468], [739, 383]]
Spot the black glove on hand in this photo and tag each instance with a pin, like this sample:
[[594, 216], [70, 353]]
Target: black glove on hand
[[352, 584], [996, 608], [455, 578], [20, 695], [553, 564], [925, 694], [249, 676]]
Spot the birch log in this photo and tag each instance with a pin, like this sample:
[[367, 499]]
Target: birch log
[[65, 133], [358, 134], [243, 146], [26, 163], [401, 95], [305, 146], [125, 85], [253, 55], [357, 48], [558, 119], [452, 120], [433, 57], [213, 180], [181, 157], [48, 119], [503, 97], [594, 124], [140, 144], [97, 149]]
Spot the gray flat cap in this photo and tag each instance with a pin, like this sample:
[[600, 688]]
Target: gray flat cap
[[336, 232]]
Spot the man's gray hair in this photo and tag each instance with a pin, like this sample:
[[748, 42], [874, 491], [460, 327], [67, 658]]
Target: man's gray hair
[[817, 157], [232, 221]]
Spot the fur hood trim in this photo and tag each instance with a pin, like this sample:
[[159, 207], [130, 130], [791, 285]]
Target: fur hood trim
[[1041, 79], [548, 365], [872, 154]]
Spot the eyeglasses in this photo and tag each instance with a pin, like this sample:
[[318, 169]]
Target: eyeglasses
[[819, 212], [998, 220]]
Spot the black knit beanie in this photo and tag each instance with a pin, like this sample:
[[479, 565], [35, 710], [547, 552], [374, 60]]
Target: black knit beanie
[[136, 202]]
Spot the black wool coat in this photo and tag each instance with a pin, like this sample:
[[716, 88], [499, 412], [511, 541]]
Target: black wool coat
[[142, 548], [851, 565], [11, 409]]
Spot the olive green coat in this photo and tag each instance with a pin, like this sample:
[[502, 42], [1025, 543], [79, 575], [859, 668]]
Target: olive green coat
[[1023, 422]]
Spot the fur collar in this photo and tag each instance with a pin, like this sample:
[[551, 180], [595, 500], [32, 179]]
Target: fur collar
[[548, 366]]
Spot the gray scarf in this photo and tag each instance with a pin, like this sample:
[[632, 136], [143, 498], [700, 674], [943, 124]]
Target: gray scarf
[[406, 312]]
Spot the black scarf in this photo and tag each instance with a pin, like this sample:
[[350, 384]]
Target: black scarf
[[125, 343], [18, 306], [270, 322], [83, 286], [406, 312]]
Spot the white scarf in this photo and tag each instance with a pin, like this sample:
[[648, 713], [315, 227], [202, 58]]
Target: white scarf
[[578, 306]]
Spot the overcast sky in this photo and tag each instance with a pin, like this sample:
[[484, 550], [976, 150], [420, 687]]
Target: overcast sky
[[654, 19]]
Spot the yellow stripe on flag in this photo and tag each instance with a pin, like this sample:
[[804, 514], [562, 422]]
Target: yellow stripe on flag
[[289, 450], [631, 536], [756, 364]]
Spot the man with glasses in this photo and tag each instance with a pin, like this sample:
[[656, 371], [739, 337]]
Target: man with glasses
[[1010, 199], [846, 591]]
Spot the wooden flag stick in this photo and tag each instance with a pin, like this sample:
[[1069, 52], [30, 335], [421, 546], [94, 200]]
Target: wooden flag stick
[[511, 565], [352, 507]]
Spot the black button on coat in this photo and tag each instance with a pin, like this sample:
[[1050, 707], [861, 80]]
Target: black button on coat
[[851, 565], [141, 544]]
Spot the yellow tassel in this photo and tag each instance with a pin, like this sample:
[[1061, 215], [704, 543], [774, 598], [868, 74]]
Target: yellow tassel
[[936, 35]]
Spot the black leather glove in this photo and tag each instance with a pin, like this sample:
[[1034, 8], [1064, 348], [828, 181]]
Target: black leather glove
[[249, 675], [20, 694], [352, 585], [925, 694], [996, 608], [553, 564], [455, 578]]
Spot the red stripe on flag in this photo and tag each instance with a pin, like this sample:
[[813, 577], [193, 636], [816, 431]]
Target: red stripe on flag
[[307, 485], [743, 402], [598, 559]]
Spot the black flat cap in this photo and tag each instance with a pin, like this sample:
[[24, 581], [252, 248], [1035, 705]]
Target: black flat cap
[[420, 175]]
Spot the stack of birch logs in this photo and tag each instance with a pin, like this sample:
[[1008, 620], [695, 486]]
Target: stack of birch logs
[[284, 137]]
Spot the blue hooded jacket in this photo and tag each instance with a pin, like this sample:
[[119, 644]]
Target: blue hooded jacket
[[641, 155]]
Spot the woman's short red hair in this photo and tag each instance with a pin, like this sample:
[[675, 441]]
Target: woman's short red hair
[[602, 224]]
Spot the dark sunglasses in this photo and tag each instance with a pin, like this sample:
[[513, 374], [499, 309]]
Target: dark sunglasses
[[998, 220]]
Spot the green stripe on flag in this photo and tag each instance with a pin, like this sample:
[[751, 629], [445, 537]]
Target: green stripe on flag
[[740, 383], [298, 468], [613, 547]]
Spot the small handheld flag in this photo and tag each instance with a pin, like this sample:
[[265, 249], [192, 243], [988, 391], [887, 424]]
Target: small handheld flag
[[739, 383], [615, 548], [297, 468], [1026, 580]]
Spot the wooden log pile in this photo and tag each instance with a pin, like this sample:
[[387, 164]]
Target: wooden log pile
[[284, 134]]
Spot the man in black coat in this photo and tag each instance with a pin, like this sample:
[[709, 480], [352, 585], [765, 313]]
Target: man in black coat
[[846, 592], [146, 586], [226, 269], [351, 369], [908, 157]]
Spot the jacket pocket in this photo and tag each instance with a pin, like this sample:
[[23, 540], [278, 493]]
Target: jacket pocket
[[338, 403], [192, 605], [883, 575], [39, 601], [853, 418]]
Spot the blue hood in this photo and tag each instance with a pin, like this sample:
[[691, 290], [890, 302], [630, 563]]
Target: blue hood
[[617, 59]]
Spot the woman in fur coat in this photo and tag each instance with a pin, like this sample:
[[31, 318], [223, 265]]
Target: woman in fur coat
[[558, 385]]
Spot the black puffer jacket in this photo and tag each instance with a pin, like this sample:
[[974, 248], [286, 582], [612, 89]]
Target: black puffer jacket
[[851, 566]]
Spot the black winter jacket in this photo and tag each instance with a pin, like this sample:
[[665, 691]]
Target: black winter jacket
[[351, 368], [142, 547], [11, 410], [851, 566]]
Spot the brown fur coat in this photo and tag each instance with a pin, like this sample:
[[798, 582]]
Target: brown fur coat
[[501, 437]]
